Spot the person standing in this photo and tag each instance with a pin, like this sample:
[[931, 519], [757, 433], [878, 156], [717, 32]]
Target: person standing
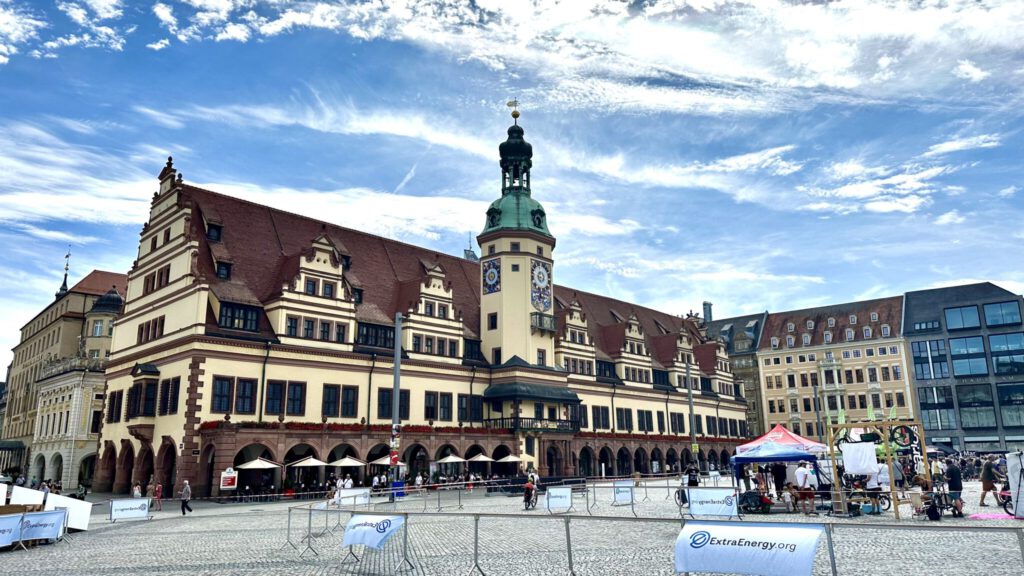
[[989, 477], [186, 495], [804, 491], [779, 476], [955, 484], [137, 490], [692, 476], [158, 494], [348, 482]]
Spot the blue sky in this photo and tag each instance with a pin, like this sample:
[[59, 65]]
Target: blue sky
[[761, 155]]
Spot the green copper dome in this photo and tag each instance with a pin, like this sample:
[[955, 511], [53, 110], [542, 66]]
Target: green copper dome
[[516, 210]]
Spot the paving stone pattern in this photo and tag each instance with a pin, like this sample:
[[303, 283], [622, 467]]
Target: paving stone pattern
[[250, 538]]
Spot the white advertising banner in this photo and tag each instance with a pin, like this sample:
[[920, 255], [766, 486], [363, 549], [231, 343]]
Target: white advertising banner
[[352, 496], [372, 531], [129, 508], [3, 494], [26, 496], [747, 548], [623, 492], [712, 501], [10, 529], [558, 499], [1014, 466], [79, 511], [42, 525]]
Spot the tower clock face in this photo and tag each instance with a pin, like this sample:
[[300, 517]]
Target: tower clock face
[[491, 271], [540, 293]]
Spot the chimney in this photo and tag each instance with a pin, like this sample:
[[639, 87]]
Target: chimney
[[707, 312]]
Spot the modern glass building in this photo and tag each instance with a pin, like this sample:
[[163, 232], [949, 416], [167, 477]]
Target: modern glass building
[[967, 363]]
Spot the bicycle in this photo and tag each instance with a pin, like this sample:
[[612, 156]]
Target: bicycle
[[1005, 498], [530, 499], [680, 497]]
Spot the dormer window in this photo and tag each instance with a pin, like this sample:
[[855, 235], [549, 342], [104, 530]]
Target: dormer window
[[874, 316], [346, 262], [328, 290], [810, 324], [214, 232], [224, 270], [807, 339], [867, 332], [357, 295], [853, 318], [789, 341], [831, 322], [850, 334], [775, 343], [442, 311], [238, 317], [790, 327], [885, 330], [828, 337], [311, 287], [428, 308]]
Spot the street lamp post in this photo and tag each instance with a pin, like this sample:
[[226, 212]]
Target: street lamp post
[[689, 395], [817, 412], [396, 426]]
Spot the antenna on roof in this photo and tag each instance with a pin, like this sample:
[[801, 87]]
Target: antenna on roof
[[468, 253]]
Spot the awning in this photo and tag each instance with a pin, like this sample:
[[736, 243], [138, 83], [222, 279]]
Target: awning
[[522, 390], [11, 445]]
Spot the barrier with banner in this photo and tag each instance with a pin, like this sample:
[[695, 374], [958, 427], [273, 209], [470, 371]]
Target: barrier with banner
[[129, 508], [10, 529], [371, 531], [42, 525], [622, 491], [747, 548], [713, 502], [3, 494], [558, 499], [352, 497]]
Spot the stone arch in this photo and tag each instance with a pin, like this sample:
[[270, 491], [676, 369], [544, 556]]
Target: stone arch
[[256, 479], [480, 468], [86, 470], [104, 478], [640, 462], [607, 459], [657, 456], [377, 452], [206, 469], [702, 460], [623, 462], [587, 460], [38, 468], [165, 471], [340, 451], [712, 460], [56, 468], [554, 461], [417, 459], [509, 469], [723, 459], [445, 450], [671, 460], [144, 469], [301, 475], [687, 457], [125, 465]]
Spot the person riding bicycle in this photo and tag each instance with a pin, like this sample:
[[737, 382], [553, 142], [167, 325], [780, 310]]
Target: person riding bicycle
[[528, 490]]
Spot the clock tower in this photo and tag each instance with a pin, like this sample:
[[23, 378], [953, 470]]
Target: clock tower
[[517, 290]]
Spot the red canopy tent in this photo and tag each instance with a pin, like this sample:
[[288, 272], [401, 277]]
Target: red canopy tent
[[780, 435]]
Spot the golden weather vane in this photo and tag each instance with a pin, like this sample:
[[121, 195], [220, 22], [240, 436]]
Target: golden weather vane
[[514, 105]]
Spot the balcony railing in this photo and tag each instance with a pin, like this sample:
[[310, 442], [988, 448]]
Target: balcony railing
[[539, 424], [69, 364], [544, 322]]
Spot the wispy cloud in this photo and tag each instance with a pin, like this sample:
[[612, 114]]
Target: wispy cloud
[[1008, 192], [951, 217], [18, 26], [968, 71], [965, 143], [159, 44]]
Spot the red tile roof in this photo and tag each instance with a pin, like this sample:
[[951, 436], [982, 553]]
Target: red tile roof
[[265, 245], [99, 282], [890, 311]]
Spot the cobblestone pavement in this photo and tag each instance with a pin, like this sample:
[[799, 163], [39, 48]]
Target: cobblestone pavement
[[251, 538]]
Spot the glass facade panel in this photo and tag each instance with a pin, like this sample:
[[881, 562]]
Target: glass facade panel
[[1002, 314], [976, 406], [1007, 353], [1011, 403], [961, 318]]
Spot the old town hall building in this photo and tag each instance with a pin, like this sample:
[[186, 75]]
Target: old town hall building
[[250, 331]]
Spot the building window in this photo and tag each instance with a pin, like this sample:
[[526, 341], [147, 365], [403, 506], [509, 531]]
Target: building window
[[357, 295], [976, 406], [1007, 353], [490, 249], [442, 311], [453, 348], [1011, 404], [885, 331], [514, 247], [430, 406], [339, 332], [292, 326], [97, 327], [325, 331], [541, 357], [790, 327], [224, 270], [376, 336], [275, 397], [968, 356], [496, 356], [445, 407], [221, 395], [624, 419], [789, 341], [330, 405], [853, 318], [296, 398], [867, 331], [807, 339], [384, 408], [850, 334], [349, 401], [417, 342], [1002, 314], [328, 290], [775, 343], [239, 317], [308, 326], [831, 322], [828, 337], [213, 232], [962, 318], [245, 396]]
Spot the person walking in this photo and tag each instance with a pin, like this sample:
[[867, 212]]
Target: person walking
[[804, 489], [186, 495], [989, 477], [158, 494], [955, 484]]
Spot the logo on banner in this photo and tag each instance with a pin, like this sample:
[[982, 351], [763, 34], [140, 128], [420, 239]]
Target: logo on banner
[[372, 531], [747, 548], [699, 539]]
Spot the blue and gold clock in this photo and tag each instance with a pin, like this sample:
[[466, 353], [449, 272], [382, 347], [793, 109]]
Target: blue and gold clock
[[491, 275], [540, 280]]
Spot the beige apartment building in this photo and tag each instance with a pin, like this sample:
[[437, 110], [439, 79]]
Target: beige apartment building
[[56, 381], [249, 331], [850, 357]]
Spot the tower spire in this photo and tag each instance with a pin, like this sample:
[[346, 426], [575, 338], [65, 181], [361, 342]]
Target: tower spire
[[67, 265]]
